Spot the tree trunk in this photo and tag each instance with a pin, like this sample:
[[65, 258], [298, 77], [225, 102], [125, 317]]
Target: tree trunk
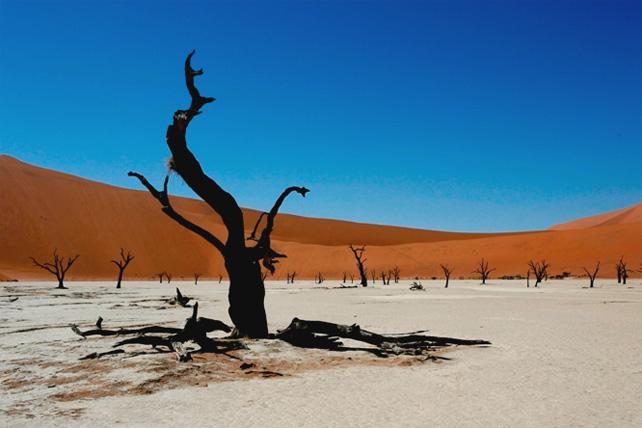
[[246, 297], [61, 283], [364, 276], [446, 282], [120, 278]]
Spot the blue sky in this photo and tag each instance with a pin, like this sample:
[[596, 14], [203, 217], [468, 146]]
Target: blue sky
[[453, 115]]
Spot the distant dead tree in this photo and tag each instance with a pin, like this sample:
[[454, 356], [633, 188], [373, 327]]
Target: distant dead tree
[[319, 278], [373, 275], [168, 276], [622, 271], [539, 269], [395, 274], [483, 270], [122, 264], [358, 255], [351, 278], [290, 277], [592, 275], [345, 275], [160, 276], [220, 278], [447, 271], [57, 267], [196, 277], [385, 277], [528, 279]]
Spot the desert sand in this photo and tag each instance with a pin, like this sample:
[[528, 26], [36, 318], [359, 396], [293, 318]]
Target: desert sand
[[561, 355], [95, 220]]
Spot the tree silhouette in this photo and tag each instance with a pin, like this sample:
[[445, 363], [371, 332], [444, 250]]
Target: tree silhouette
[[243, 264], [122, 264], [58, 267], [622, 271], [540, 270], [196, 277], [247, 291], [447, 271], [592, 275], [395, 274], [290, 277], [358, 255], [483, 270]]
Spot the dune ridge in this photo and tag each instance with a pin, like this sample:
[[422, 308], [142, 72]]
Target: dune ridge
[[44, 209]]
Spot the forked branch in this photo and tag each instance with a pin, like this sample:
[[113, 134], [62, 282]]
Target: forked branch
[[163, 197]]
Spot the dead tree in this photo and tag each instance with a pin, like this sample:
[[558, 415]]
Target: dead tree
[[169, 277], [122, 264], [243, 264], [528, 279], [539, 269], [196, 277], [345, 276], [351, 278], [58, 267], [395, 274], [447, 271], [358, 255], [483, 270], [373, 275], [622, 271], [384, 276], [220, 279], [290, 277], [318, 279], [593, 275], [160, 276]]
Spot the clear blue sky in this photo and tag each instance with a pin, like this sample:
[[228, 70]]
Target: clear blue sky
[[455, 115]]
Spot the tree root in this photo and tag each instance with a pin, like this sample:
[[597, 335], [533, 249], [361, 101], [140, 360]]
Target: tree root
[[300, 333]]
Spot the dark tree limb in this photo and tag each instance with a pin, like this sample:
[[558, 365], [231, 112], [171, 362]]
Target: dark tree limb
[[252, 236], [166, 207], [263, 244], [326, 335]]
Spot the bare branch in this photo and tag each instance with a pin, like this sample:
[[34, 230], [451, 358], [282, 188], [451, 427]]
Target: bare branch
[[163, 198]]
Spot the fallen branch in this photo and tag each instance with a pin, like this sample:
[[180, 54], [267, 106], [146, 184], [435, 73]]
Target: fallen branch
[[301, 333]]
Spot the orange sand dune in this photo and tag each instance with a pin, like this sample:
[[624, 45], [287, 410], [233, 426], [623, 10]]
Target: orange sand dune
[[622, 216], [42, 209]]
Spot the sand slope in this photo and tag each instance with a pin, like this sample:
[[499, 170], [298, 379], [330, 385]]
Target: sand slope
[[43, 209], [622, 216]]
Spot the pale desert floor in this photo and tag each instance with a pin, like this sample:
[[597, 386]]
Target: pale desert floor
[[562, 355]]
